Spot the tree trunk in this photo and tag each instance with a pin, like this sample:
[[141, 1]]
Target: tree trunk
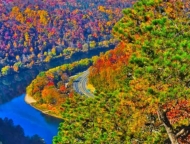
[[162, 117]]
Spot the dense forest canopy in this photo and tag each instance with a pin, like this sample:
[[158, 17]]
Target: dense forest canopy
[[35, 31], [142, 87]]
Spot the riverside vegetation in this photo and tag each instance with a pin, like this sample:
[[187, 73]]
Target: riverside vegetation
[[51, 88], [142, 86]]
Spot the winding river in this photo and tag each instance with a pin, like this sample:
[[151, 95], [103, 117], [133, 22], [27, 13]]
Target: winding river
[[13, 106]]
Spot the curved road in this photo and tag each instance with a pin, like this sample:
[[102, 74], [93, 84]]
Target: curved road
[[79, 84]]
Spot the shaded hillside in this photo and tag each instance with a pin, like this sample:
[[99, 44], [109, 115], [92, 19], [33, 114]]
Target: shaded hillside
[[11, 134]]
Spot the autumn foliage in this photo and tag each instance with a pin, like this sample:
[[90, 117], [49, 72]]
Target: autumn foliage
[[142, 86], [32, 32], [53, 87]]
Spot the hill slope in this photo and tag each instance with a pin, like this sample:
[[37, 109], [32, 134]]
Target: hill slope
[[142, 86]]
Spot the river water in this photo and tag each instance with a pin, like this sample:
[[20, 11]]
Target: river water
[[13, 106], [31, 120]]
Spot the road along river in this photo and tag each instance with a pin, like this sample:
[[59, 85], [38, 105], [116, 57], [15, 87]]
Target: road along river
[[79, 84], [13, 106]]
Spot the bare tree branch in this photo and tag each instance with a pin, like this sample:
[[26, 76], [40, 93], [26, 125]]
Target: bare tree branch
[[162, 117]]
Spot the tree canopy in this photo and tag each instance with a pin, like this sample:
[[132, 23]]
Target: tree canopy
[[51, 88], [142, 87], [32, 32]]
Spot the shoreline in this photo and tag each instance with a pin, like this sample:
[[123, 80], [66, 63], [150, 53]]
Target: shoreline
[[111, 46], [30, 100]]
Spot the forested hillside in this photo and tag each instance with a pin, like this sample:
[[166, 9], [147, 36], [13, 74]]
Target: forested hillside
[[142, 86], [36, 31]]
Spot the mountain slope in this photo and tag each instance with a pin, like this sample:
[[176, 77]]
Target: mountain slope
[[142, 86]]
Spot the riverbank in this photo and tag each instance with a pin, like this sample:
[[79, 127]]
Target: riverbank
[[59, 59], [31, 101], [17, 83]]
